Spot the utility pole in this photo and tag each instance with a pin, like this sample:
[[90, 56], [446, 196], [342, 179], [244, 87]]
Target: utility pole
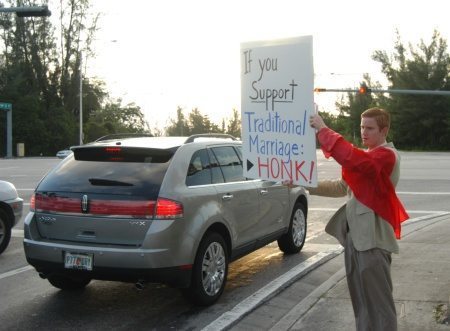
[[81, 99], [6, 106]]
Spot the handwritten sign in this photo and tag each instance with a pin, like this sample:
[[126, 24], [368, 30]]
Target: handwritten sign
[[277, 81]]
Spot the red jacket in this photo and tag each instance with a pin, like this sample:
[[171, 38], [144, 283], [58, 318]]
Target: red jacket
[[367, 173]]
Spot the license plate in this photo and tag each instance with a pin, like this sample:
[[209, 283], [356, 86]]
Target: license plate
[[78, 261]]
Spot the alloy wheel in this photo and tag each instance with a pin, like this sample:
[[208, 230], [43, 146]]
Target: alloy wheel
[[213, 268], [298, 227]]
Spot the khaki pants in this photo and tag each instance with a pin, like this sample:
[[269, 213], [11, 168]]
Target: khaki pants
[[370, 285]]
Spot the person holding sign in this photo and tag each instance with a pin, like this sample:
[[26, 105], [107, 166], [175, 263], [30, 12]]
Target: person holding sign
[[370, 222]]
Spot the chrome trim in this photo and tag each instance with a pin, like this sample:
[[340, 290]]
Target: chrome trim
[[84, 203]]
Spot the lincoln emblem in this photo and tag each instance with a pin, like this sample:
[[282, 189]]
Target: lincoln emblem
[[84, 204]]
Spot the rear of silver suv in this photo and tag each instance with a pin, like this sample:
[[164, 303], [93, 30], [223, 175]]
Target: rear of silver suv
[[163, 209]]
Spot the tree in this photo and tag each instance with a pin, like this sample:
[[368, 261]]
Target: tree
[[419, 121], [27, 58], [196, 123], [199, 123], [32, 65], [234, 125], [178, 127], [40, 75], [115, 118], [350, 109]]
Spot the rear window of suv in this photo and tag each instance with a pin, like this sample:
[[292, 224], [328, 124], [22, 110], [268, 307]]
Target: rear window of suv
[[130, 171]]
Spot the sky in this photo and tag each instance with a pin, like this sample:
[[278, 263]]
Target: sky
[[161, 54]]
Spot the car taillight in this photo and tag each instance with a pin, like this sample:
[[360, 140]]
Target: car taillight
[[166, 209], [114, 153], [45, 203], [122, 208], [113, 150], [33, 202]]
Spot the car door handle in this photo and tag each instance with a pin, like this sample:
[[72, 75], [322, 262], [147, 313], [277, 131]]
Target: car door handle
[[227, 197], [264, 192]]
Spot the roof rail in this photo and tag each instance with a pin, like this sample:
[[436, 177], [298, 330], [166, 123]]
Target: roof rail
[[124, 135], [209, 135]]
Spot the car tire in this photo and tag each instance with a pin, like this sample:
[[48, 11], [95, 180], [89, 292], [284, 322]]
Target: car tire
[[210, 271], [292, 242], [5, 231], [68, 283]]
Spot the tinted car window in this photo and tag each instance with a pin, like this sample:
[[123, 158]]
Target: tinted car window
[[216, 172], [199, 171], [229, 162], [239, 152], [122, 178]]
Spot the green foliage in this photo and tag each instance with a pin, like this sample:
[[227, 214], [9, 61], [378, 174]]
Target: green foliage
[[350, 109], [179, 126], [40, 76], [115, 118], [234, 125], [419, 121], [198, 123]]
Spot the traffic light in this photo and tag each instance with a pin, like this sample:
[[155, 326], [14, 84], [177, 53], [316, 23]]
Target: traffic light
[[363, 89], [319, 89]]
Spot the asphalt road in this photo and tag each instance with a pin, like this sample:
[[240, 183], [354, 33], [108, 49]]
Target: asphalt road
[[28, 302]]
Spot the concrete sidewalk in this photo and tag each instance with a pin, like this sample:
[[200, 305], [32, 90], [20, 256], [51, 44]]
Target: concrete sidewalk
[[421, 277]]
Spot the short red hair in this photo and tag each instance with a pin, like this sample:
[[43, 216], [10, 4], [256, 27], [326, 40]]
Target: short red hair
[[381, 116]]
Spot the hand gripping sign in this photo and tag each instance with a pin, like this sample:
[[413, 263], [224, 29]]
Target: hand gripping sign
[[277, 79]]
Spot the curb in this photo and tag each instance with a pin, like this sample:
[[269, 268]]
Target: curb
[[230, 318], [307, 303]]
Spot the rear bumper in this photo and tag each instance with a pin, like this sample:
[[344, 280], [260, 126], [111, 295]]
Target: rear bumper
[[160, 264], [108, 264], [175, 276]]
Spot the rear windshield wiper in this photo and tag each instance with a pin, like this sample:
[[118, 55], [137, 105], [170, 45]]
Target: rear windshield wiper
[[107, 182]]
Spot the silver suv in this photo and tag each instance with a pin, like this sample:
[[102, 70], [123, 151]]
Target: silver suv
[[173, 210]]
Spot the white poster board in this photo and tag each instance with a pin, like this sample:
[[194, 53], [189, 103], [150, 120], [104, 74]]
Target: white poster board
[[277, 79]]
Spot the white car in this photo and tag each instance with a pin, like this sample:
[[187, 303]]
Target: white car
[[64, 153], [10, 212]]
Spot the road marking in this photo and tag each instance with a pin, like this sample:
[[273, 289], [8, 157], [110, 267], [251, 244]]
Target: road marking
[[426, 217], [17, 233], [424, 193], [431, 212], [314, 234], [324, 209], [247, 305], [15, 272]]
